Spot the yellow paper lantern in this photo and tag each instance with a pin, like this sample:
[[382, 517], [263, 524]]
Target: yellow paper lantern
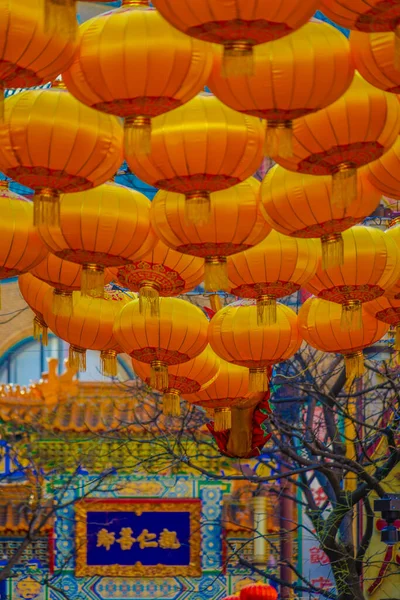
[[277, 267], [29, 55], [104, 227], [325, 144], [89, 328], [301, 206], [236, 224], [292, 77], [169, 68], [387, 310], [176, 336], [235, 335], [53, 144], [189, 377], [371, 266], [239, 25], [199, 148], [320, 324], [34, 292], [161, 272]]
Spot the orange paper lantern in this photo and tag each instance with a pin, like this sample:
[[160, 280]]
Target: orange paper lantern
[[393, 232], [238, 25], [169, 68], [371, 266], [65, 277], [235, 335], [279, 266], [300, 206], [177, 335], [363, 15], [21, 248], [34, 291], [104, 227], [236, 224], [375, 59], [339, 150], [320, 324], [161, 272], [200, 148], [292, 77], [53, 144], [384, 173], [190, 377], [29, 54], [388, 311], [89, 328], [229, 388]]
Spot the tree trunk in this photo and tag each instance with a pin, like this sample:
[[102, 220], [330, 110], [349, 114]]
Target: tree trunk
[[348, 583]]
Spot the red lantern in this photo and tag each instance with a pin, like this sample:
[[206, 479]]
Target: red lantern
[[258, 591]]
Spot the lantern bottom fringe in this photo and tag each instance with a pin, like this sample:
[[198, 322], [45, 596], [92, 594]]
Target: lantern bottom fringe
[[279, 139], [149, 300], [159, 375], [355, 369], [40, 331], [1, 104], [62, 303], [171, 404], [92, 281], [197, 208], [60, 17], [344, 186], [222, 419], [351, 317], [397, 48], [397, 338], [238, 59], [109, 364], [46, 208], [77, 358], [332, 250], [266, 310], [216, 275], [139, 137], [258, 380]]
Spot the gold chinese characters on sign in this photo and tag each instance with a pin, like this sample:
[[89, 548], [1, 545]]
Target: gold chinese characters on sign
[[142, 538]]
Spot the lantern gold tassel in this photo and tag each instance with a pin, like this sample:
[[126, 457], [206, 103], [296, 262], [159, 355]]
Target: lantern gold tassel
[[62, 303], [354, 364], [237, 59], [197, 208], [109, 364], [149, 298], [215, 274], [46, 208], [159, 375], [351, 315], [266, 310], [77, 358], [344, 185], [332, 250], [258, 380], [92, 282], [279, 139], [397, 339], [40, 330], [222, 419], [138, 134], [397, 48], [60, 17], [171, 403]]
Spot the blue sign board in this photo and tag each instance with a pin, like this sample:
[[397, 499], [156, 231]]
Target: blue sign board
[[148, 537]]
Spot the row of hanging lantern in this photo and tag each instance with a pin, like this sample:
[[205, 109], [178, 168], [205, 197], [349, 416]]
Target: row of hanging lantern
[[333, 133]]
